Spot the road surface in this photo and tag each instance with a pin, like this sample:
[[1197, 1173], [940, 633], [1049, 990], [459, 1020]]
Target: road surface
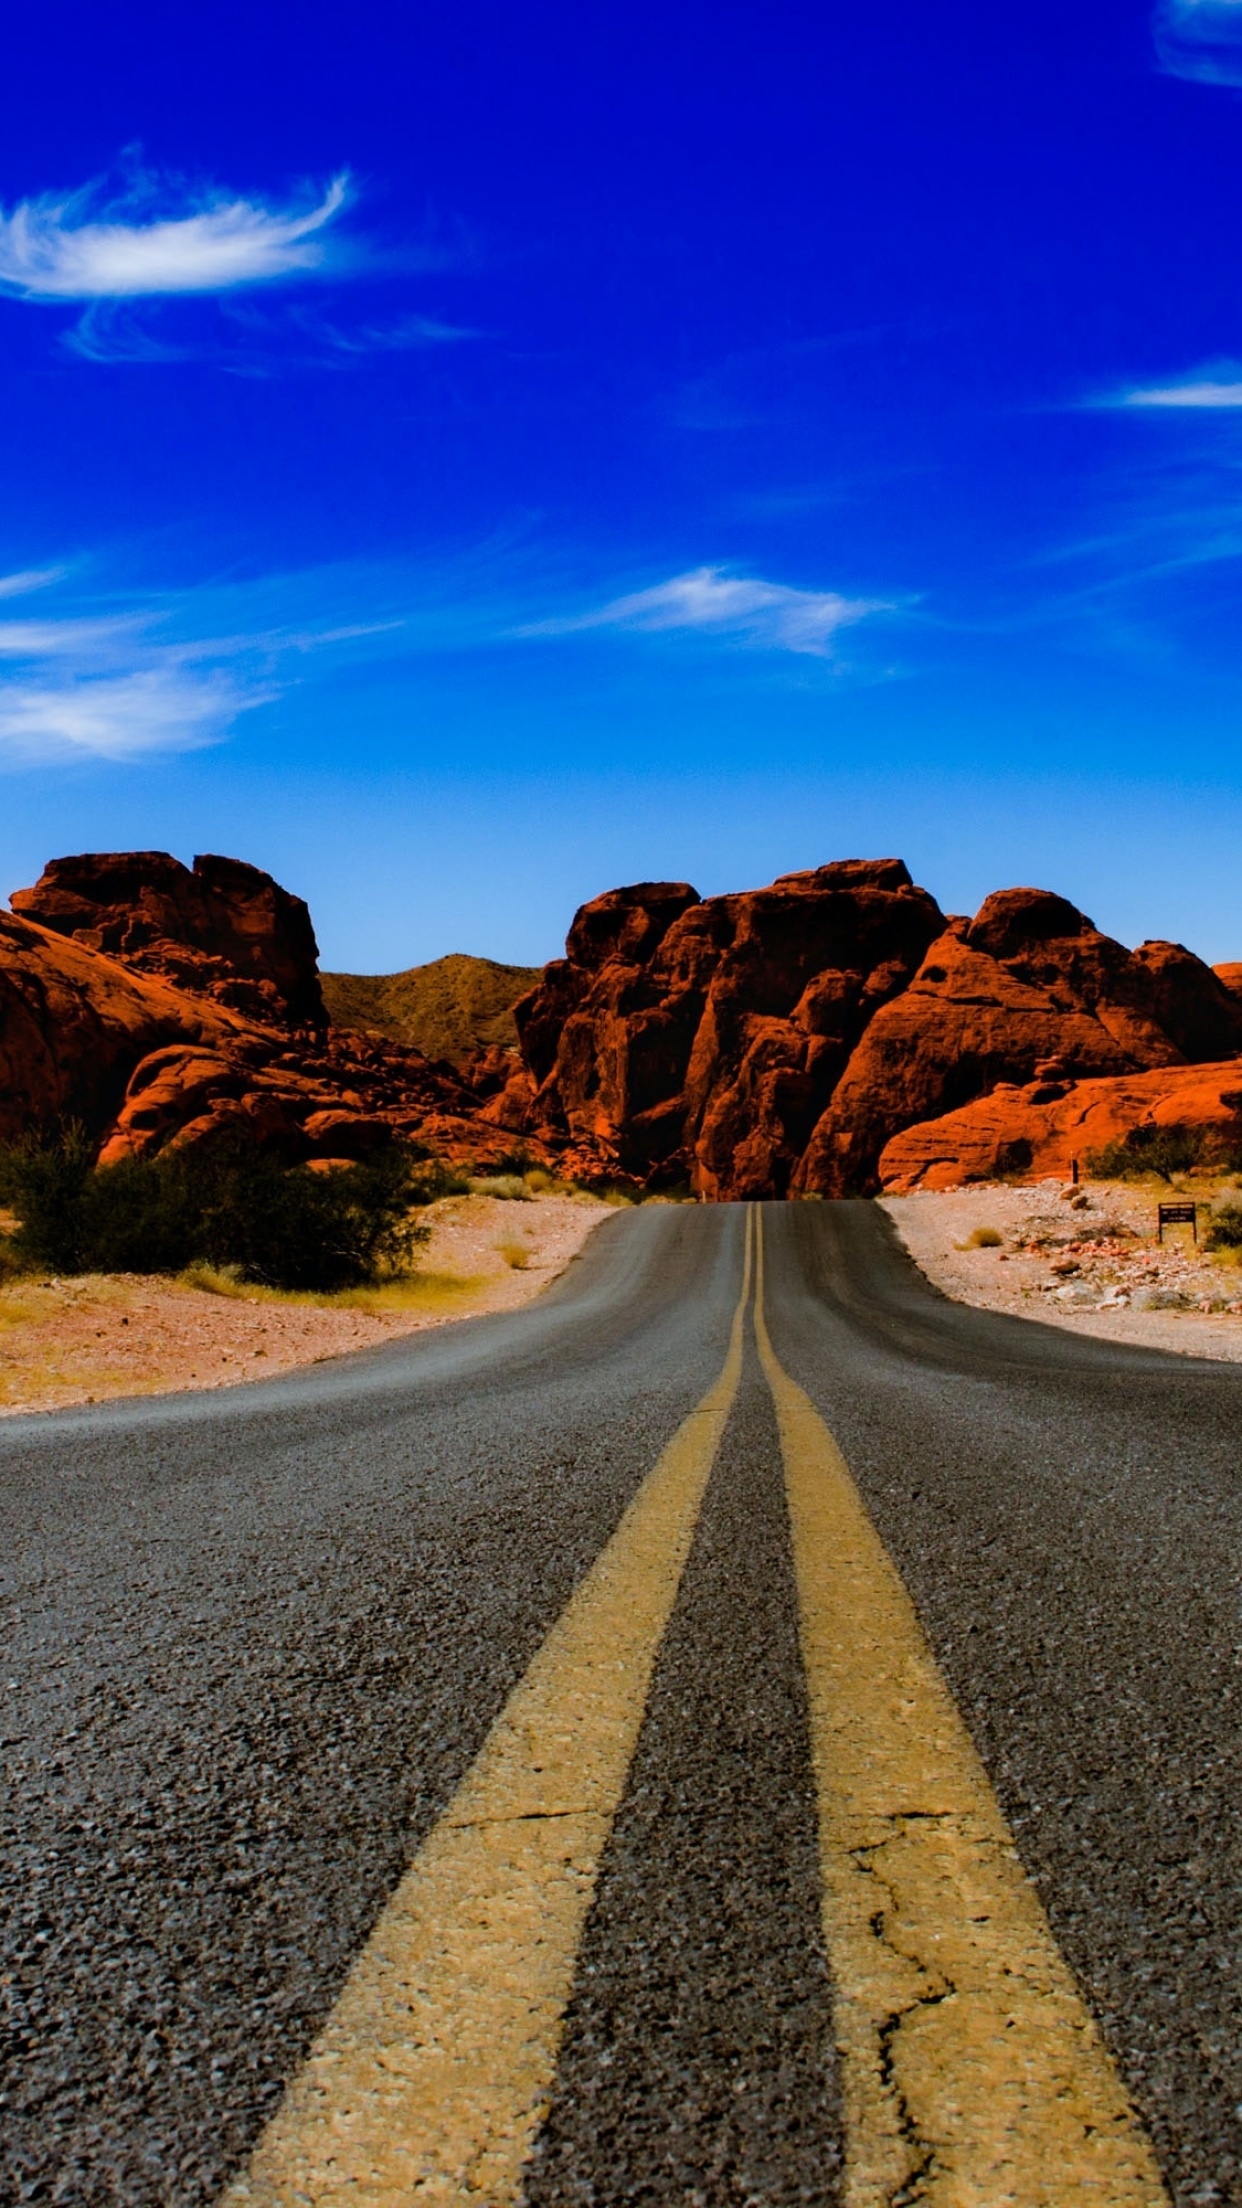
[[741, 1730]]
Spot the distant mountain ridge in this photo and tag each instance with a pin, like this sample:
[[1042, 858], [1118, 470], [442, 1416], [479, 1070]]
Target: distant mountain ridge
[[453, 1007]]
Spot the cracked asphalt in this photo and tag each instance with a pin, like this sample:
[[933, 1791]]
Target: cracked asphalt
[[253, 1642]]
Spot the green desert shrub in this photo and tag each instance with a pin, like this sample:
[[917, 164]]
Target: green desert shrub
[[44, 1183], [1164, 1151], [432, 1177], [229, 1207], [517, 1160], [1225, 1226]]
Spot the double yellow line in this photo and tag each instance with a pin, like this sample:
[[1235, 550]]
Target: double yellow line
[[973, 2074]]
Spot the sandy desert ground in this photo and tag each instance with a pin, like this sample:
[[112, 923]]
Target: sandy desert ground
[[1085, 1258], [87, 1339]]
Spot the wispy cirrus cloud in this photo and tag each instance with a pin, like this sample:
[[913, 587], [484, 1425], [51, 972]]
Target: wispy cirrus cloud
[[107, 686], [746, 609], [158, 678], [151, 263], [1204, 390], [151, 711], [83, 245], [30, 578], [1200, 39], [83, 676]]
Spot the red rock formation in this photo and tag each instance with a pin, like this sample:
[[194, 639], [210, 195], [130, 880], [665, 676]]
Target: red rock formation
[[1028, 987], [781, 1038], [74, 1024], [225, 930], [1231, 976], [93, 1028], [702, 1038], [1026, 1133]]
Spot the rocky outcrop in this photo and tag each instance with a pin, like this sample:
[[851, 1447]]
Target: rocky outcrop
[[1027, 991], [779, 1039], [157, 1006], [74, 1024], [1026, 1133], [815, 1037], [1231, 976], [343, 1101], [222, 930], [703, 1038]]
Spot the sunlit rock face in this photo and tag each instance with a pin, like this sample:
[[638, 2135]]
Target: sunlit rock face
[[787, 1040], [775, 1041], [221, 929]]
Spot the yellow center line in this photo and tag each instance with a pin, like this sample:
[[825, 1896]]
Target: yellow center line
[[434, 2070], [972, 2072]]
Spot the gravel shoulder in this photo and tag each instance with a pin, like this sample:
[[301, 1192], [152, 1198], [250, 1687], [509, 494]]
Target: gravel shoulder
[[1083, 1258], [92, 1338]]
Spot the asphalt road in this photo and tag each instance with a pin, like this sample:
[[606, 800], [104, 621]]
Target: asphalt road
[[254, 1641]]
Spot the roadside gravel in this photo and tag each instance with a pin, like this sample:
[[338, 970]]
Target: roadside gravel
[[1083, 1258]]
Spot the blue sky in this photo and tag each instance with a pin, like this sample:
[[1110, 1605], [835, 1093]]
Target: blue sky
[[464, 464]]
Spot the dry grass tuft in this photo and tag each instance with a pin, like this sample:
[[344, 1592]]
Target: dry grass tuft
[[422, 1291], [216, 1280], [515, 1253]]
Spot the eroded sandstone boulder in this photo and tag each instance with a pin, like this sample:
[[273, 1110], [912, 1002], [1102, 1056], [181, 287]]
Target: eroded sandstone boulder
[[1029, 991], [1017, 1133], [74, 1024], [149, 1038], [223, 930], [701, 1038], [780, 1038]]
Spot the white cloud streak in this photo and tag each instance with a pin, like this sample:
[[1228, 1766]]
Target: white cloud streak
[[154, 710], [1200, 39], [105, 687], [77, 248], [1208, 393], [171, 671], [770, 616], [28, 579]]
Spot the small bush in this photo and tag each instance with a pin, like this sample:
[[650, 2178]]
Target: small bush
[[509, 1187], [984, 1238], [431, 1178], [44, 1183], [1225, 1227], [515, 1254], [213, 1280], [230, 1208], [517, 1160], [1165, 1151]]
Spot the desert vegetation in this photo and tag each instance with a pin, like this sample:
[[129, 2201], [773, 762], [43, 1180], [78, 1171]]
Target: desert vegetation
[[1171, 1151], [231, 1209]]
